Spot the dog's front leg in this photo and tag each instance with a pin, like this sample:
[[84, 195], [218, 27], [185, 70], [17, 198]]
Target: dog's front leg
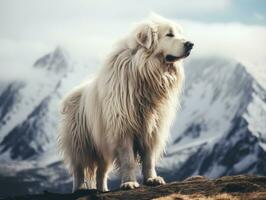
[[127, 164], [148, 169]]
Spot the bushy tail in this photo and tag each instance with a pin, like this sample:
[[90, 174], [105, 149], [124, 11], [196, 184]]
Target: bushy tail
[[68, 129]]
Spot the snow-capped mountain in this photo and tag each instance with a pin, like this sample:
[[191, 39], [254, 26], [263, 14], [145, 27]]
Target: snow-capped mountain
[[220, 130], [25, 126]]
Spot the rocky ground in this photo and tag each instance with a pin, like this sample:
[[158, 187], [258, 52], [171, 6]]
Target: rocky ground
[[244, 187]]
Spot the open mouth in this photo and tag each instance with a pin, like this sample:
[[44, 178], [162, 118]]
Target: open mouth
[[171, 58]]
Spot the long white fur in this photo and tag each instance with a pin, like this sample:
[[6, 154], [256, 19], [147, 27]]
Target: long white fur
[[125, 112]]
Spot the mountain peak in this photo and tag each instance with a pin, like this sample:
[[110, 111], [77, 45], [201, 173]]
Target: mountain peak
[[57, 61]]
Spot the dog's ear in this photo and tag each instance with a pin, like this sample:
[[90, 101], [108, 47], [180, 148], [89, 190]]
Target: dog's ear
[[146, 35]]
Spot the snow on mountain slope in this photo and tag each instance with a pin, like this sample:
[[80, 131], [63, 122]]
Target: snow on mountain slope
[[215, 91], [25, 106], [256, 115], [9, 97], [20, 140], [237, 152], [28, 95], [28, 121], [221, 128]]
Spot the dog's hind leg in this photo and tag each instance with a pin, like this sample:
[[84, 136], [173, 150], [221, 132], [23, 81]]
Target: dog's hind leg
[[78, 178]]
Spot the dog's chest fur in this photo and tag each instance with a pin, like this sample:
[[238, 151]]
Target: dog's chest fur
[[153, 99]]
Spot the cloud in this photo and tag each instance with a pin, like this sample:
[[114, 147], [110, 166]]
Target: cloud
[[243, 43], [17, 57], [93, 42], [228, 39], [32, 11], [89, 28]]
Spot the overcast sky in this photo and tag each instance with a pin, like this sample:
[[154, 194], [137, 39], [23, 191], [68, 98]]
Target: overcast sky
[[87, 28]]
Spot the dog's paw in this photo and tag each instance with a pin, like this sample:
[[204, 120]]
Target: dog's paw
[[154, 181], [129, 185], [103, 189]]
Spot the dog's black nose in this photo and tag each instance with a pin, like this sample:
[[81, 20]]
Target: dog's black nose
[[188, 45]]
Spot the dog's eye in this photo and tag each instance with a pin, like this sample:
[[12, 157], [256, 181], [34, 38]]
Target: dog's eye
[[170, 35]]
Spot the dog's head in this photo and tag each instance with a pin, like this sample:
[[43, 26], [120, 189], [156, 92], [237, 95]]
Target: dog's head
[[163, 37]]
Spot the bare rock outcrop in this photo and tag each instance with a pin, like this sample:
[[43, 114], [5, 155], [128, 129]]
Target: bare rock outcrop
[[242, 187]]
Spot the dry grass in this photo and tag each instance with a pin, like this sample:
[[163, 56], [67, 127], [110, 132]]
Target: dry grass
[[198, 197]]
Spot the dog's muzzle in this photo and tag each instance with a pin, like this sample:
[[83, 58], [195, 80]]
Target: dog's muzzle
[[187, 45]]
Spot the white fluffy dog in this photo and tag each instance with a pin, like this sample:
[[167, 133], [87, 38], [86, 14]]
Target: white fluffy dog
[[124, 114]]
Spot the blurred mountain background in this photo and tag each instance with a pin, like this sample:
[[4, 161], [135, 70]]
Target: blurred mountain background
[[49, 47]]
